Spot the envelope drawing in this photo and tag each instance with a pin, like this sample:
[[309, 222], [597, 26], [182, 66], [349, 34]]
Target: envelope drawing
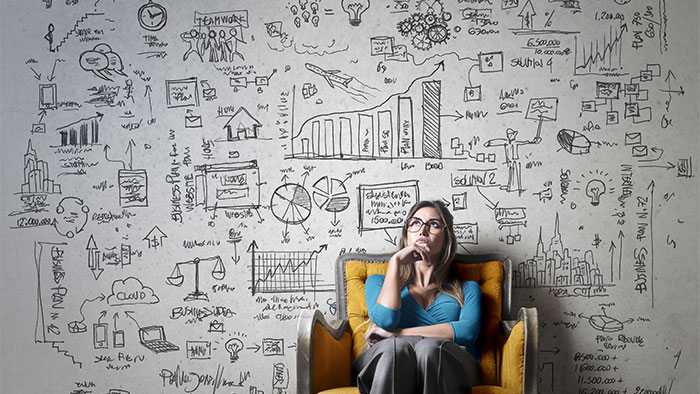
[[216, 326], [633, 138], [643, 116], [209, 93], [193, 121], [639, 150]]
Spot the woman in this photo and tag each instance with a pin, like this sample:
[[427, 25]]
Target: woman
[[425, 322]]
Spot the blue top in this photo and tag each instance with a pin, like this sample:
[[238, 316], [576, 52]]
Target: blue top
[[465, 320]]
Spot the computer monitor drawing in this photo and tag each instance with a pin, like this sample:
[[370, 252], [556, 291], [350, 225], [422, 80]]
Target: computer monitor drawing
[[153, 338]]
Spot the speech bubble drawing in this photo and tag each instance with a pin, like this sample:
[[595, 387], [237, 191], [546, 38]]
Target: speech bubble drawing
[[93, 61], [102, 61], [102, 48], [115, 63]]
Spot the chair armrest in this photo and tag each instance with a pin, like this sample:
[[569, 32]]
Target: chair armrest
[[324, 353], [519, 366], [507, 327]]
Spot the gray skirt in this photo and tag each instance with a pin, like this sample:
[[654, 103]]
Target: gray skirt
[[415, 365]]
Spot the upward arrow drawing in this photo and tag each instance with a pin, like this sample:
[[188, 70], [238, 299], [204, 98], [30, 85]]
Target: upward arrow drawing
[[150, 104], [440, 65], [130, 152], [106, 148], [128, 314], [98, 116], [620, 236], [526, 14], [93, 258]]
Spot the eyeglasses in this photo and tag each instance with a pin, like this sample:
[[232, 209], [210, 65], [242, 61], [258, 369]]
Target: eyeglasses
[[434, 226]]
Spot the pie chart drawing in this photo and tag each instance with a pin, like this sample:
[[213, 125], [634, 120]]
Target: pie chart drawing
[[330, 195], [291, 203]]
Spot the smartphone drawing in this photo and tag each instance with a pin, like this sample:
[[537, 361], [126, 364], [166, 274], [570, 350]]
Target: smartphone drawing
[[47, 96], [99, 335], [118, 338]]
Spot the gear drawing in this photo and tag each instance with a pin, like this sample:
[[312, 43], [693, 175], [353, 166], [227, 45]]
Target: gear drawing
[[404, 27], [422, 42], [438, 34]]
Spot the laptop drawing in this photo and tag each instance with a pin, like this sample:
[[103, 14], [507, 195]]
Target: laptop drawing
[[153, 337]]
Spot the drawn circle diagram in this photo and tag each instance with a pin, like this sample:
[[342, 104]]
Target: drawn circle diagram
[[291, 203], [72, 215], [330, 195], [152, 16]]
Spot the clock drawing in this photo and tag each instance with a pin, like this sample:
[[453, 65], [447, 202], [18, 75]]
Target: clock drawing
[[152, 16]]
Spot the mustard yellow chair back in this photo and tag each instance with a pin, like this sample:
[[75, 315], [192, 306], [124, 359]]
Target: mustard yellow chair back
[[493, 273]]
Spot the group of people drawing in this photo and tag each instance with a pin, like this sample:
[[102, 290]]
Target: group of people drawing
[[214, 45]]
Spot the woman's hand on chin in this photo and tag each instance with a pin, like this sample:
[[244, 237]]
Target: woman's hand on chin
[[412, 254]]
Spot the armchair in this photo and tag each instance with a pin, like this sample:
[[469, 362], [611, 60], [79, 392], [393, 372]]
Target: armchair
[[508, 347]]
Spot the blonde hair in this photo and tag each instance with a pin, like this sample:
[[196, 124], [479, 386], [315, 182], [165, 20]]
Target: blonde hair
[[444, 274]]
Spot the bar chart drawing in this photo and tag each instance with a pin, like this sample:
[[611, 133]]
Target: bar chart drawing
[[431, 119], [385, 131], [82, 132], [286, 271]]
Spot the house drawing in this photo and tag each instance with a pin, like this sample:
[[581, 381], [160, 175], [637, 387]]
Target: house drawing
[[242, 125]]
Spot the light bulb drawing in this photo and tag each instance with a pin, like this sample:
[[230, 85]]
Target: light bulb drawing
[[594, 189], [177, 279], [355, 9], [233, 346], [597, 185]]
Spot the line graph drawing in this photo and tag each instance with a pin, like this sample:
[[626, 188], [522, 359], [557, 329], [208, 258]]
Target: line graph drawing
[[286, 271], [600, 56]]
